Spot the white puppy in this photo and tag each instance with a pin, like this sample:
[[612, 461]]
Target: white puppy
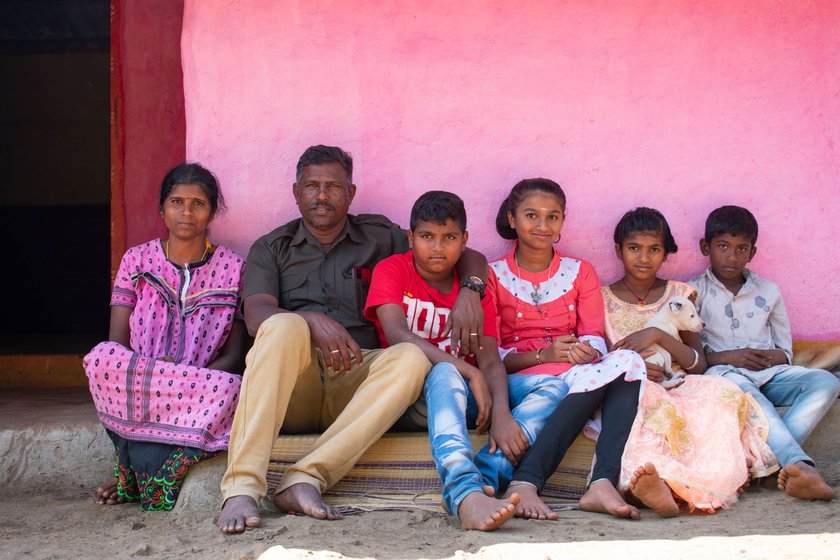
[[678, 314]]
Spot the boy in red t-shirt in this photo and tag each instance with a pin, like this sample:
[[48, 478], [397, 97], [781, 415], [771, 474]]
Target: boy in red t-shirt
[[410, 298]]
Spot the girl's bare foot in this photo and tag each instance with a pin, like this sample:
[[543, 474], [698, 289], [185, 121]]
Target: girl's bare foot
[[305, 498], [647, 486], [602, 497], [481, 512], [530, 505], [106, 493], [802, 481], [238, 513]]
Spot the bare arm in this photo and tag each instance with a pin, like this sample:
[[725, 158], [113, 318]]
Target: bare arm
[[119, 330], [558, 352], [392, 318], [681, 350], [231, 358], [467, 316]]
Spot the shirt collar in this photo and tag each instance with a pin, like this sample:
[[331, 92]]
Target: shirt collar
[[350, 230], [749, 281]]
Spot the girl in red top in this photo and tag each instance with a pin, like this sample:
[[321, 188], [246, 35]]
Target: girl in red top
[[552, 321]]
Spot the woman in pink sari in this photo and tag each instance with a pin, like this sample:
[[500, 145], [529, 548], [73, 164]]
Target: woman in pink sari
[[162, 384], [694, 445]]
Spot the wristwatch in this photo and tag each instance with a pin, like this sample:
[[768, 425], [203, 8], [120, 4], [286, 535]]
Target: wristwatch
[[474, 283]]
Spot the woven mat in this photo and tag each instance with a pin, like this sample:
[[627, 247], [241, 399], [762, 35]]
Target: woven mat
[[397, 473]]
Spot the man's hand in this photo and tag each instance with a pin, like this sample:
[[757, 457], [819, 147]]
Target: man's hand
[[465, 325], [481, 394], [747, 358], [337, 347], [506, 434]]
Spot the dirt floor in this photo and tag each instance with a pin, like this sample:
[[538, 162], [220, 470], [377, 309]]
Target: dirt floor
[[44, 523]]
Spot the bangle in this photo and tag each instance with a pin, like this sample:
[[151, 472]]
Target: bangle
[[539, 361], [696, 359]]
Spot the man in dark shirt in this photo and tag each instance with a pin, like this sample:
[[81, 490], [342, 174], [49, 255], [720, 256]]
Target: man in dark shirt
[[315, 364]]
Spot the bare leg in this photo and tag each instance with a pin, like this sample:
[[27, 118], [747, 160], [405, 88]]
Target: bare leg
[[530, 505], [602, 497], [238, 513], [646, 486], [481, 512], [802, 481], [106, 493], [305, 498]]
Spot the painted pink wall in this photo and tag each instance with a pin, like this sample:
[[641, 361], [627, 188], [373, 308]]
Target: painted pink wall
[[683, 106], [154, 109]]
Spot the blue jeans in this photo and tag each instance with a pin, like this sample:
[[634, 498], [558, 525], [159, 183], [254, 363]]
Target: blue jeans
[[808, 392], [452, 408]]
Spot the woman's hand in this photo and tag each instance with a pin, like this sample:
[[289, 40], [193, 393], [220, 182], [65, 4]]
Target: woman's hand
[[558, 352], [583, 353], [655, 372], [640, 340]]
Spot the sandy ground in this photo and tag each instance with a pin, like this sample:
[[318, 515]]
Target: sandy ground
[[764, 524]]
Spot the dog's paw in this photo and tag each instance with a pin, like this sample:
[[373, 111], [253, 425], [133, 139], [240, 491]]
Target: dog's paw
[[673, 382]]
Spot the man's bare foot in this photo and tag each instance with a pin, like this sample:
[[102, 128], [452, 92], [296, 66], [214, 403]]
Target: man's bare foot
[[305, 498], [106, 493], [802, 481], [530, 505], [602, 497], [647, 486], [481, 512], [239, 513]]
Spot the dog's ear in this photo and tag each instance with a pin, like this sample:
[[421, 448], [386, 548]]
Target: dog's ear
[[676, 307]]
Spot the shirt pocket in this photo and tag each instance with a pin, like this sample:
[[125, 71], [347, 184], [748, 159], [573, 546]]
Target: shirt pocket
[[358, 279], [294, 293]]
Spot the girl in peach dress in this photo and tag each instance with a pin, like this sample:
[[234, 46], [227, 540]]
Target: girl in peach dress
[[695, 445]]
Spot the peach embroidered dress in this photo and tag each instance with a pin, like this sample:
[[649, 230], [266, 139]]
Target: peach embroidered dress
[[700, 435]]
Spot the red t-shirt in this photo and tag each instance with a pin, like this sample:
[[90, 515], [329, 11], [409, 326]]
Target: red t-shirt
[[395, 280]]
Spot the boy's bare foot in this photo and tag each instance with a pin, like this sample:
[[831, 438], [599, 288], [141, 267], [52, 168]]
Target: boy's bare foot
[[305, 498], [802, 481], [530, 505], [602, 497], [106, 493], [238, 513], [647, 486], [481, 512]]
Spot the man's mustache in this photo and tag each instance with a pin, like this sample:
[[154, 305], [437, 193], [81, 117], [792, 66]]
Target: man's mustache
[[327, 205]]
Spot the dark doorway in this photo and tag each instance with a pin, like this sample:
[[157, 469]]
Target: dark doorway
[[54, 155]]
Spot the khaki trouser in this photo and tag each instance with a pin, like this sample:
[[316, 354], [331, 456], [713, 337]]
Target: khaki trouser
[[286, 385]]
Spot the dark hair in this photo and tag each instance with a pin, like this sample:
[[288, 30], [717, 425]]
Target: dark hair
[[318, 155], [438, 206], [733, 220], [193, 174], [644, 220], [517, 194]]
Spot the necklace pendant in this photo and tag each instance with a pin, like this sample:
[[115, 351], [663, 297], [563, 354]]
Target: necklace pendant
[[642, 302]]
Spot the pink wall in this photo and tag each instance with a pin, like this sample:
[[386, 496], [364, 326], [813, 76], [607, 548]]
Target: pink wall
[[683, 106], [154, 108]]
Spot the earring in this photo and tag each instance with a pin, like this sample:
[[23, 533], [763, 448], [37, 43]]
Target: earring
[[558, 239]]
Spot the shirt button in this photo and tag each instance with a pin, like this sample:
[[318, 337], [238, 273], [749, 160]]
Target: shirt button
[[516, 338], [519, 315], [571, 307]]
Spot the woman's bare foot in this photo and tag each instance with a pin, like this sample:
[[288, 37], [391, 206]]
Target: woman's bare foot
[[481, 512], [305, 498], [602, 497], [530, 505], [106, 493], [802, 481], [238, 513], [647, 486]]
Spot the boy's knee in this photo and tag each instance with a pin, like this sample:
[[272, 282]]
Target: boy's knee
[[825, 382]]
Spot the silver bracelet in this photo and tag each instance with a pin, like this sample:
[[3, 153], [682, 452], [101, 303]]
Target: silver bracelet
[[696, 359]]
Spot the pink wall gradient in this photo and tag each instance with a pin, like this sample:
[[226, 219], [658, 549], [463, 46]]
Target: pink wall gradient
[[682, 106]]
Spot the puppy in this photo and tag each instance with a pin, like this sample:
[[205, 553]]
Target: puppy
[[678, 314]]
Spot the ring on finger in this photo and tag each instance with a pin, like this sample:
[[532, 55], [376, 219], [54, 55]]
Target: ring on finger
[[473, 334], [336, 351]]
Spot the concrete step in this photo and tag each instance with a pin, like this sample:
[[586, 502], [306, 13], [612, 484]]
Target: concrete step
[[48, 435]]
